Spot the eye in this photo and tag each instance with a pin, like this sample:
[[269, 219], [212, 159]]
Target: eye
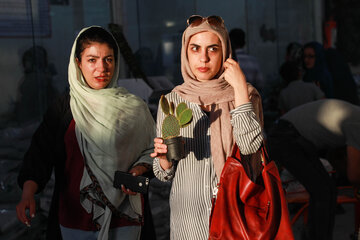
[[91, 60], [194, 48], [109, 60], [213, 49]]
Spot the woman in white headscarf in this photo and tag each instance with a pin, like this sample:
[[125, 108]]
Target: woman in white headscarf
[[86, 136]]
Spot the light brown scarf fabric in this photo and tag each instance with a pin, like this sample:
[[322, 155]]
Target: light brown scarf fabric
[[218, 93]]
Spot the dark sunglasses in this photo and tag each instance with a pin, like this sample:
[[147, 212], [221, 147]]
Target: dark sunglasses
[[196, 20]]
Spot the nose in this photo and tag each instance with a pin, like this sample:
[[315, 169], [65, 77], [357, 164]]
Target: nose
[[204, 57], [102, 66]]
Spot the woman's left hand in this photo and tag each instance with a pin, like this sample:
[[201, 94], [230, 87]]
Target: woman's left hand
[[233, 74], [135, 171], [236, 78]]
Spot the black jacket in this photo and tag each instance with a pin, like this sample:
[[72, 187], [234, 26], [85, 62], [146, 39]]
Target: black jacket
[[47, 152]]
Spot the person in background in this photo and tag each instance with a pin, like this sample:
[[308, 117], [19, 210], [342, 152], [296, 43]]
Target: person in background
[[85, 137], [297, 92], [294, 53], [249, 64], [297, 141], [345, 87], [226, 111], [316, 69]]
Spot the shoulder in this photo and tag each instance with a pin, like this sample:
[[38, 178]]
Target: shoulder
[[174, 97]]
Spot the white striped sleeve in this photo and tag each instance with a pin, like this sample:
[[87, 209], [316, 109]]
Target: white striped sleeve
[[160, 173], [246, 128]]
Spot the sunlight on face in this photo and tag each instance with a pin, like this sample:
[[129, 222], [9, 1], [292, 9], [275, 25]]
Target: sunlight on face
[[204, 53], [97, 65]]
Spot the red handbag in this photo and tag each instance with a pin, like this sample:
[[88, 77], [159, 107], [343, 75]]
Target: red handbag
[[247, 210]]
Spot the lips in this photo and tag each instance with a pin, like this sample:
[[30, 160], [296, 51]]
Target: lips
[[203, 69], [101, 79]]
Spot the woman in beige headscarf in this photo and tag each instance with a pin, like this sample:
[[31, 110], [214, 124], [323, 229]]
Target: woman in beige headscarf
[[85, 137], [226, 110]]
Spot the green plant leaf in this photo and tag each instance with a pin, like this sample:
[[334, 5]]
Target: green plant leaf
[[187, 124], [185, 117], [170, 127], [164, 105], [180, 108], [172, 108]]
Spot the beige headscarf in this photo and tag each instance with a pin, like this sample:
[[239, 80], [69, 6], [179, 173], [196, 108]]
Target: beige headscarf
[[218, 93], [113, 127]]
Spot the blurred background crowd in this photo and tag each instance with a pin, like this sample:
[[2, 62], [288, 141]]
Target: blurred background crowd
[[292, 51]]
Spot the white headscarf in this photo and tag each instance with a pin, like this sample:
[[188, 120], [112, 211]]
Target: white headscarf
[[113, 127]]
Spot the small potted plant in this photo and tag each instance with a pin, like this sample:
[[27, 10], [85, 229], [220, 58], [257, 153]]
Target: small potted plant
[[175, 118]]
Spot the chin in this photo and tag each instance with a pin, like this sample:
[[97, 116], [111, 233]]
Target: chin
[[203, 77]]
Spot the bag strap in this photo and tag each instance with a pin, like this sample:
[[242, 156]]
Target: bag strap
[[264, 154]]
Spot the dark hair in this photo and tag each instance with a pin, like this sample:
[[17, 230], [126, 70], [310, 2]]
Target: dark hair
[[294, 52], [237, 38], [94, 34], [35, 57], [289, 71]]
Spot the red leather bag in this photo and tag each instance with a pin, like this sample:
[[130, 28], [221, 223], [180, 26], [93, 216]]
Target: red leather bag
[[246, 210]]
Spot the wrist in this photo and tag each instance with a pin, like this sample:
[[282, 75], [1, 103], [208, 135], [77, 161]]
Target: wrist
[[29, 189], [165, 164]]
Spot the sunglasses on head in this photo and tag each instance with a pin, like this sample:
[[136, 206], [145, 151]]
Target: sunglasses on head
[[196, 20]]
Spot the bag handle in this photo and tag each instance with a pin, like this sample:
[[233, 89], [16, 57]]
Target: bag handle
[[264, 154]]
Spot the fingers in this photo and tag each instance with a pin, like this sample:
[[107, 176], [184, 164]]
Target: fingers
[[127, 191], [138, 170], [21, 211], [230, 62], [159, 147], [32, 209], [158, 140]]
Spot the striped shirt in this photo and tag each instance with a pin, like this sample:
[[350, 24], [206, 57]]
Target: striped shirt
[[193, 178]]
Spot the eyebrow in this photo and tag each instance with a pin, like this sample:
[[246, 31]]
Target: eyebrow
[[212, 45], [94, 56]]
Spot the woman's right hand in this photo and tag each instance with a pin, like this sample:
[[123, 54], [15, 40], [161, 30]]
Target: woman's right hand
[[160, 150], [27, 202]]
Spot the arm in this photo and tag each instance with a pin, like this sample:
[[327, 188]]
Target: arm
[[39, 160], [27, 202], [246, 129], [246, 118], [236, 78]]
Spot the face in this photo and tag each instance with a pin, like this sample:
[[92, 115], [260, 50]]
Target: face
[[97, 65], [309, 57], [205, 55]]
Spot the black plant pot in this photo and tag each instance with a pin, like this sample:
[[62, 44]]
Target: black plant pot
[[175, 147]]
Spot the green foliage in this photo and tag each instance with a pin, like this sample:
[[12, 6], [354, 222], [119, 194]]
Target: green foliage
[[164, 105], [180, 108], [172, 124], [170, 127]]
